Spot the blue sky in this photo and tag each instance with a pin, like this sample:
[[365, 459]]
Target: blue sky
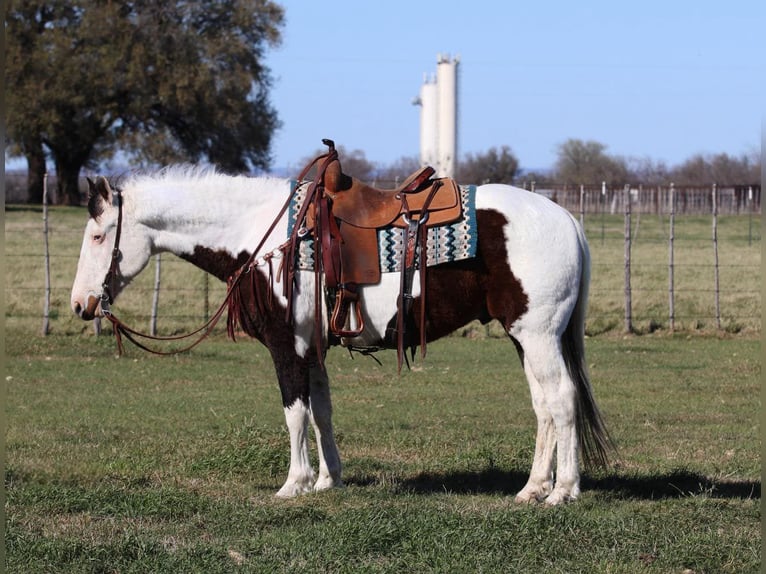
[[657, 79]]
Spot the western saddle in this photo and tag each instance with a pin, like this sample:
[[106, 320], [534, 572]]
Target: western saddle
[[344, 215]]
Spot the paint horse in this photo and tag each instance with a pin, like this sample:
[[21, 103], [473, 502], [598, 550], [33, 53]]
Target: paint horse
[[530, 272]]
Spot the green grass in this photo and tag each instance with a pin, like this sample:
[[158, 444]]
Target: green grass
[[149, 464], [739, 253]]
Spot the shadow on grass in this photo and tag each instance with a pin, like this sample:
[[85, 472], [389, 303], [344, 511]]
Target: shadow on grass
[[675, 484]]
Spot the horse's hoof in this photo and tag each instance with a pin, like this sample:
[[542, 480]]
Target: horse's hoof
[[560, 496], [527, 498], [293, 489], [531, 494], [327, 483]]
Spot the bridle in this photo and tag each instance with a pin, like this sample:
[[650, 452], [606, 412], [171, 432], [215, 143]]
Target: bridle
[[107, 288], [107, 298]]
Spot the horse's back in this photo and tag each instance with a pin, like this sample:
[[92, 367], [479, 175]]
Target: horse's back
[[529, 215]]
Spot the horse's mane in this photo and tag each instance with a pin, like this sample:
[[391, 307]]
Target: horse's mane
[[173, 172], [186, 174]]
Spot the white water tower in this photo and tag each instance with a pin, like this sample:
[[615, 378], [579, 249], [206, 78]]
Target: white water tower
[[438, 117]]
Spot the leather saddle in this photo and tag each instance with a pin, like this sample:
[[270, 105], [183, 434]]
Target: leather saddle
[[361, 210], [362, 205], [345, 214]]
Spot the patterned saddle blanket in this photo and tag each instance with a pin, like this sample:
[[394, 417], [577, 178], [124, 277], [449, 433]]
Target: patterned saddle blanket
[[445, 243]]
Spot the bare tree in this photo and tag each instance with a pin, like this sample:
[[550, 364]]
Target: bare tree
[[494, 166], [648, 171], [586, 162], [354, 163], [722, 169], [398, 171]]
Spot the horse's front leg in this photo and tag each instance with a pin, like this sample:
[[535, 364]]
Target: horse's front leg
[[300, 476], [293, 377], [306, 396], [320, 410]]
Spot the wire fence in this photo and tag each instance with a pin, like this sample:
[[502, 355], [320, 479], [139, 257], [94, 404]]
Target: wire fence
[[659, 261], [655, 199], [590, 198]]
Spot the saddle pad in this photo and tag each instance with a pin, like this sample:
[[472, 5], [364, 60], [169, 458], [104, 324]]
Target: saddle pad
[[445, 243]]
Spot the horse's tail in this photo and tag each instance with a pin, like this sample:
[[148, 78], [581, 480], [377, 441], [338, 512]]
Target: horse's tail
[[593, 437]]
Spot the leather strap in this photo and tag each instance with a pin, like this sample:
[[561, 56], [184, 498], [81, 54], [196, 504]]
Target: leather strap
[[413, 257], [314, 196], [107, 287]]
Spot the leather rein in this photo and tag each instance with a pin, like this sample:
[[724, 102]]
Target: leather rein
[[134, 336]]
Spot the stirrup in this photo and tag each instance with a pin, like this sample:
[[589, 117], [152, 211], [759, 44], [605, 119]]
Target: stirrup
[[346, 297]]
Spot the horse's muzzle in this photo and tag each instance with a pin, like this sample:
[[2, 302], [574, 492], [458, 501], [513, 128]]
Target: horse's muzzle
[[89, 311]]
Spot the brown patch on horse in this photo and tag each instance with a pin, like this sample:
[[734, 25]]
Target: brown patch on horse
[[219, 263], [482, 288], [506, 298], [261, 317]]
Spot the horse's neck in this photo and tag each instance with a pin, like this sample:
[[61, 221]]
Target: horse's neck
[[214, 224]]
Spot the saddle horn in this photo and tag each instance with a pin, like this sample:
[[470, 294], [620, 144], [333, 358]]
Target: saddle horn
[[334, 178]]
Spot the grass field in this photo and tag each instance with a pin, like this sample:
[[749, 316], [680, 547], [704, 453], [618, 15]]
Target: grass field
[[148, 464]]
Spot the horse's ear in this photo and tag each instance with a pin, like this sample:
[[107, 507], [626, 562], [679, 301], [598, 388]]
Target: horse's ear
[[103, 188], [98, 192]]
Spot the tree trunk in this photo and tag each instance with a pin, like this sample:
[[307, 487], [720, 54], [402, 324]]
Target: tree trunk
[[69, 160], [68, 182], [35, 172]]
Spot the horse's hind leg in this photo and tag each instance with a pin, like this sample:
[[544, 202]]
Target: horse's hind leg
[[540, 482], [321, 418], [553, 398]]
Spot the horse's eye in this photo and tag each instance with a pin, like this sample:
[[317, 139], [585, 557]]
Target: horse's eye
[[98, 238]]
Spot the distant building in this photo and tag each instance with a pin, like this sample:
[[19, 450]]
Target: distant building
[[438, 117]]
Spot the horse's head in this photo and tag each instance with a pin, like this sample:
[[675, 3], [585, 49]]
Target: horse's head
[[97, 248]]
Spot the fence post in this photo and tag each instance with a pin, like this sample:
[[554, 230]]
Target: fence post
[[749, 215], [603, 208], [671, 270], [47, 303], [628, 294], [582, 206], [206, 280], [156, 295], [715, 258], [638, 213]]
